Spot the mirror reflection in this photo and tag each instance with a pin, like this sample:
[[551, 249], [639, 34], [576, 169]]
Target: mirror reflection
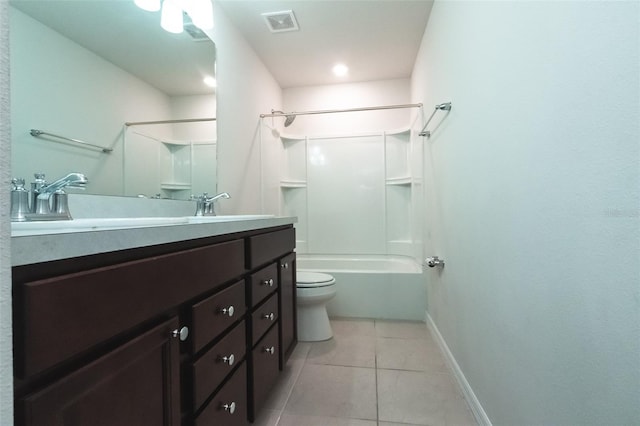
[[105, 73]]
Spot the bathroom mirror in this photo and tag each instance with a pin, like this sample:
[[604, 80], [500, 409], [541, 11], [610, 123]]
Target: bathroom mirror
[[82, 69]]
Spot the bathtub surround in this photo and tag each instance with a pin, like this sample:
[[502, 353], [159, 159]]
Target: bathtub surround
[[530, 182]]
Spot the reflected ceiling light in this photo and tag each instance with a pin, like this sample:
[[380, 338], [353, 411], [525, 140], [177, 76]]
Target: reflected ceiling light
[[150, 5], [340, 70], [171, 17], [200, 12], [210, 81]]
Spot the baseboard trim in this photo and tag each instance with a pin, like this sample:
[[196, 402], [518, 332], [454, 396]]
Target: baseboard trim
[[470, 396]]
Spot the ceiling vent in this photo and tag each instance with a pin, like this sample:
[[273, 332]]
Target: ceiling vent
[[279, 22], [190, 28]]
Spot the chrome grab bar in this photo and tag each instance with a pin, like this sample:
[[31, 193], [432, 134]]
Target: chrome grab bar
[[37, 133], [440, 107]]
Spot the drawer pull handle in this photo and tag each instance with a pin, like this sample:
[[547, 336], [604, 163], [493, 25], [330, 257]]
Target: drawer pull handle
[[285, 265], [183, 333], [229, 359], [231, 408], [268, 282], [269, 316], [228, 311], [270, 350]]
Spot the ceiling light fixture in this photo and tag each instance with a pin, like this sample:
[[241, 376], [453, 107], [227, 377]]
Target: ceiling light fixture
[[200, 12], [171, 17], [340, 70]]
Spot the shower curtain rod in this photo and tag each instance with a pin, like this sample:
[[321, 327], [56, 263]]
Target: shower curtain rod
[[330, 111], [184, 120]]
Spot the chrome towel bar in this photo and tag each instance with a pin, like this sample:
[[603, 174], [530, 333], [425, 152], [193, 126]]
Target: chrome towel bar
[[440, 107], [37, 133]]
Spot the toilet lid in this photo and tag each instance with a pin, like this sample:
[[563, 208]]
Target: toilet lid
[[313, 279]]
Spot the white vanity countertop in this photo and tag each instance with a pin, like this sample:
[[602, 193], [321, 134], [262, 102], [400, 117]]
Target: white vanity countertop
[[44, 247]]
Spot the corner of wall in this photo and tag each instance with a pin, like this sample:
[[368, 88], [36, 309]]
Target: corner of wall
[[6, 359]]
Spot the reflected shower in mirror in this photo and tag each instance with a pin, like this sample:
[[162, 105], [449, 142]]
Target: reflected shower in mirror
[[82, 69]]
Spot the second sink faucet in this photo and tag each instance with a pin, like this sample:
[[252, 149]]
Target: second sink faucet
[[204, 203], [44, 192]]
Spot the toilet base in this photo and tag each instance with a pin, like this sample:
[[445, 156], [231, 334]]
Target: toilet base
[[313, 323]]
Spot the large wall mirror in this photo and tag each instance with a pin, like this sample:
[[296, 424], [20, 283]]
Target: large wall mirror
[[87, 70]]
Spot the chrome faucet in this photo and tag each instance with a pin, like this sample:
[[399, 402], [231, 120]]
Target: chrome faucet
[[204, 203], [59, 208]]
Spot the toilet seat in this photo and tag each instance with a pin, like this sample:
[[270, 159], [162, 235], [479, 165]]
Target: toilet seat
[[313, 280]]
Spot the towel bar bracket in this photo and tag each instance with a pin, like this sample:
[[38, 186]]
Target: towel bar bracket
[[446, 106]]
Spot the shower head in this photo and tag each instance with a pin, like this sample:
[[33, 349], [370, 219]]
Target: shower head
[[289, 117], [289, 120]]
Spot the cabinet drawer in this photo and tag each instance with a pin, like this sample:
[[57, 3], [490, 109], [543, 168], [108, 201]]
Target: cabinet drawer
[[265, 368], [217, 363], [263, 317], [263, 283], [216, 313], [233, 395], [264, 248], [59, 317]]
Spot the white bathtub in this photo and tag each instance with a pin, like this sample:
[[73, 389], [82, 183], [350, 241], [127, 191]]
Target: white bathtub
[[389, 287]]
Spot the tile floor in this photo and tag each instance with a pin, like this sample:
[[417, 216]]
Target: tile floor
[[372, 373]]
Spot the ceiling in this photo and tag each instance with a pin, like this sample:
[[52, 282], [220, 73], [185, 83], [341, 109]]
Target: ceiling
[[130, 38], [376, 39]]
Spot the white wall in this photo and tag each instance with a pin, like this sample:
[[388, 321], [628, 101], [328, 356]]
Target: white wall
[[198, 106], [345, 96], [245, 90], [90, 100], [533, 201], [6, 359]]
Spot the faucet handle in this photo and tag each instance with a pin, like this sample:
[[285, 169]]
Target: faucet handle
[[18, 184]]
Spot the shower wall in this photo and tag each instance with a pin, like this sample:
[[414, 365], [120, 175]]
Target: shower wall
[[350, 178]]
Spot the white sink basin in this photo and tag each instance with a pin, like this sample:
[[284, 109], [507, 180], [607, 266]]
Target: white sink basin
[[228, 218], [103, 224], [92, 224]]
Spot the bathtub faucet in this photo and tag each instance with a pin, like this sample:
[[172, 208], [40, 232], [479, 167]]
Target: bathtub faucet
[[204, 203]]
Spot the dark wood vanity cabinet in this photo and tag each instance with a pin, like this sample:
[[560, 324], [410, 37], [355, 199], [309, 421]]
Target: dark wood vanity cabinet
[[268, 285], [191, 333]]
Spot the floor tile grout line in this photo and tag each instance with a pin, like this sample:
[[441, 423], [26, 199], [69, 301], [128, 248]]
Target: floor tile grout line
[[290, 391]]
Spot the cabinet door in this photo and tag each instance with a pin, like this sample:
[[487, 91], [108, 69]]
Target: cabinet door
[[264, 372], [288, 321], [136, 384]]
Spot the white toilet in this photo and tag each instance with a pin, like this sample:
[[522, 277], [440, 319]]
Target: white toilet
[[314, 290]]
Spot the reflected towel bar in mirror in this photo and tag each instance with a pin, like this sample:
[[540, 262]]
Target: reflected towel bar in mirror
[[38, 133]]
